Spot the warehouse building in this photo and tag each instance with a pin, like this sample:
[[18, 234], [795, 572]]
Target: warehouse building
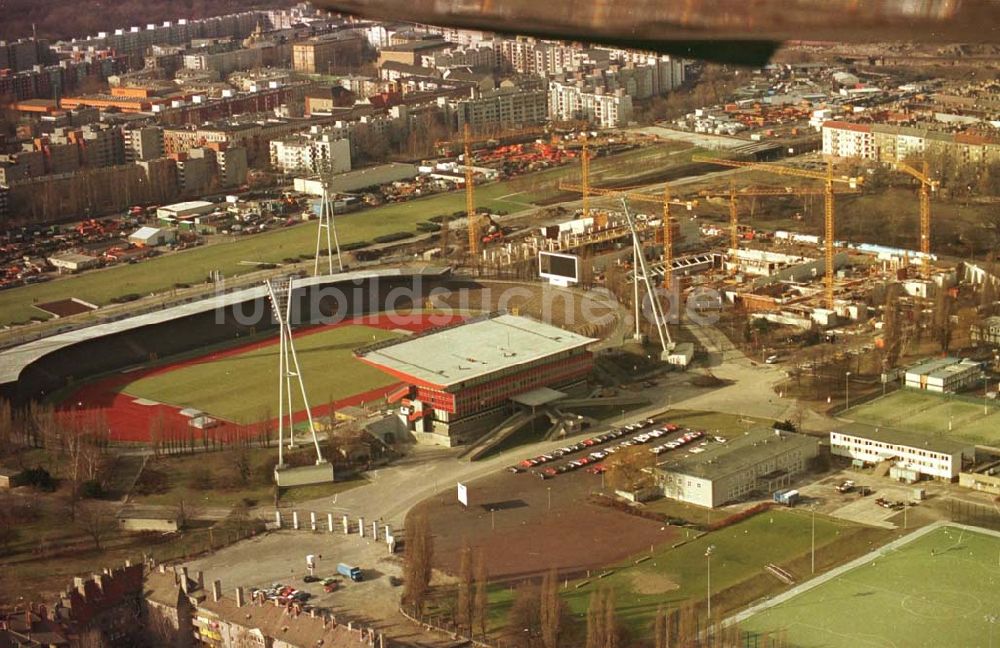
[[461, 380], [170, 213], [912, 456], [73, 262], [152, 236], [712, 474], [943, 375]]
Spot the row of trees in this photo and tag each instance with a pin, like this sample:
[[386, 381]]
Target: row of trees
[[539, 617]]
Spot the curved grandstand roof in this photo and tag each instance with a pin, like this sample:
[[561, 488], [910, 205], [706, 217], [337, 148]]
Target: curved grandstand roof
[[14, 360]]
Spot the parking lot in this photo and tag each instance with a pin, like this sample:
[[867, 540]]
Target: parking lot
[[863, 508], [372, 601], [590, 453]]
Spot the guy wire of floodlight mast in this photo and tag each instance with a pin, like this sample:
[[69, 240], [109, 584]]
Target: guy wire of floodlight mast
[[326, 222], [661, 322], [280, 290]]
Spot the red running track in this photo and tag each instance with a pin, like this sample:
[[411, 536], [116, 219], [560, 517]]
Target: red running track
[[130, 422]]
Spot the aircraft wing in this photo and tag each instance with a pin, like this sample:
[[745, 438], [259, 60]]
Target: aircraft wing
[[736, 31]]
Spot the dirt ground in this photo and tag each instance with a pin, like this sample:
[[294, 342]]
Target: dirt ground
[[523, 536]]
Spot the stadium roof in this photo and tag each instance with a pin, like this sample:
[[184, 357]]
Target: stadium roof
[[455, 355], [15, 359]]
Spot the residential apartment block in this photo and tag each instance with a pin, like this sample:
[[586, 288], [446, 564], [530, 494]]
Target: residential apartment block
[[571, 101], [890, 144], [505, 108], [143, 143], [986, 332], [317, 152], [327, 54]]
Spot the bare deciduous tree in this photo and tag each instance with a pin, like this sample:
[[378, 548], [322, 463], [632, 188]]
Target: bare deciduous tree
[[463, 607], [418, 559], [523, 620], [551, 610], [630, 468], [97, 522], [480, 608]]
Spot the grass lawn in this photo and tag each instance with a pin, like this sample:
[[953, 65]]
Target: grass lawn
[[671, 576], [232, 387], [930, 413], [726, 425], [171, 479], [908, 598]]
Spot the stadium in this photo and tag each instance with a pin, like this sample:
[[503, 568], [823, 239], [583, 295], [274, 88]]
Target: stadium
[[208, 368]]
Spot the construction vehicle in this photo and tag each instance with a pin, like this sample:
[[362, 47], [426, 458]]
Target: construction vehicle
[[828, 182], [494, 232]]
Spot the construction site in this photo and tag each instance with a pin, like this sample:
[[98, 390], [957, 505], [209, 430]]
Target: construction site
[[694, 237]]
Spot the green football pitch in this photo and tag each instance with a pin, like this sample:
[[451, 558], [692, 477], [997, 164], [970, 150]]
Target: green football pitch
[[941, 589], [239, 387], [674, 574], [963, 418]]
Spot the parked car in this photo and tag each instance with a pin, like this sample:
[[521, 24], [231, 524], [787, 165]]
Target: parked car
[[846, 487]]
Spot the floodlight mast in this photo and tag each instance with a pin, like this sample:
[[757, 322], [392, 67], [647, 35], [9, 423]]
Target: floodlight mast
[[326, 223], [666, 342], [279, 290]]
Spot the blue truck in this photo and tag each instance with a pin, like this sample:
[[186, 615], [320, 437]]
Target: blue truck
[[354, 573]]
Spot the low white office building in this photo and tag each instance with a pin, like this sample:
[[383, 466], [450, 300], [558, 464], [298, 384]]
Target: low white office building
[[711, 474], [943, 375], [924, 454]]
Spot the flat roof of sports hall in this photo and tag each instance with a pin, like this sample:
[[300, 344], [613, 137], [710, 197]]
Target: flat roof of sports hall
[[471, 350]]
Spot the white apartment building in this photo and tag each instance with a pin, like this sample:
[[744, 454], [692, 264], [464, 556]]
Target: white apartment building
[[506, 107], [607, 110], [541, 58], [927, 455], [480, 56], [846, 140], [315, 152], [890, 144]]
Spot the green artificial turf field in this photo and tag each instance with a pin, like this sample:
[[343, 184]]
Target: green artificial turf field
[[938, 590], [240, 387], [970, 419]]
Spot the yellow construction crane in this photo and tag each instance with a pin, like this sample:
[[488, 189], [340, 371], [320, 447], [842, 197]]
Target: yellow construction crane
[[467, 142], [733, 194], [666, 201], [927, 185], [828, 182]]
